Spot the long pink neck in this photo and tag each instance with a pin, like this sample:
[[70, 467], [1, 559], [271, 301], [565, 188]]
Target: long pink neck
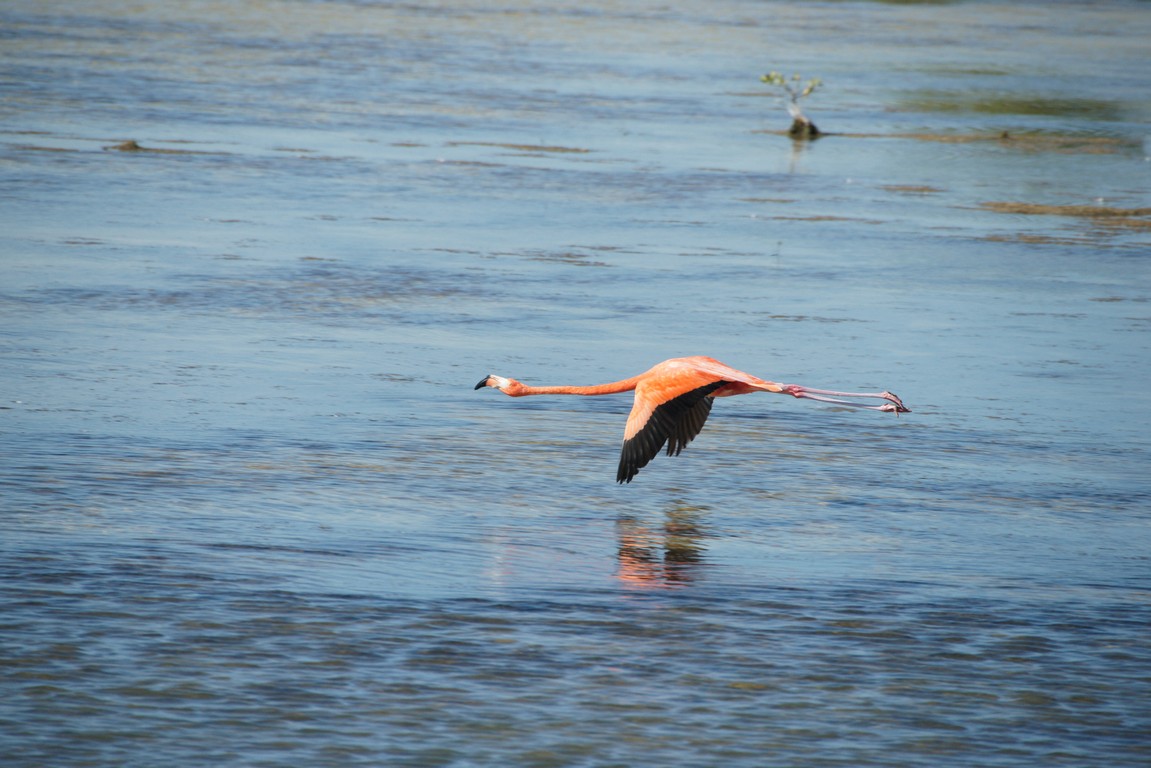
[[611, 388]]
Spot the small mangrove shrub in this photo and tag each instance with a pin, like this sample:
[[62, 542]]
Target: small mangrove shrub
[[796, 89]]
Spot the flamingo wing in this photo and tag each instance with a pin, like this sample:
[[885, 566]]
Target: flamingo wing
[[674, 420]]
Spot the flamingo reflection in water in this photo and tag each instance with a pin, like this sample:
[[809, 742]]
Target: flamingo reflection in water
[[658, 558]]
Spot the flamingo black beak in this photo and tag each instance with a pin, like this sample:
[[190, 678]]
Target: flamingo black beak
[[483, 383]]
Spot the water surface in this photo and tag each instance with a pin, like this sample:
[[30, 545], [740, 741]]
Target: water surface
[[255, 514]]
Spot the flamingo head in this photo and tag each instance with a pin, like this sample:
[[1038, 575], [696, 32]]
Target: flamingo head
[[498, 382]]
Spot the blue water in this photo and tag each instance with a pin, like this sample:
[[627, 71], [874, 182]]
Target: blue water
[[254, 513]]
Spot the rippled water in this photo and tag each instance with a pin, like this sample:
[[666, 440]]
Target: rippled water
[[255, 514]]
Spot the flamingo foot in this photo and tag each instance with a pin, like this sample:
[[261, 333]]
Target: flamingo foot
[[895, 405]]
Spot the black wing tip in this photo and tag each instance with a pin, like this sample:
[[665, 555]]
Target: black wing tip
[[628, 467], [636, 454]]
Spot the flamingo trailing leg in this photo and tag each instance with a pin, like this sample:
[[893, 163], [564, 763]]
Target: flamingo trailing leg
[[673, 399]]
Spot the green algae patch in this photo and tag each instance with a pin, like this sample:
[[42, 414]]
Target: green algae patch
[[1138, 218]]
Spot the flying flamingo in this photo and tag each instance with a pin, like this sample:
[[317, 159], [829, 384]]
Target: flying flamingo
[[673, 399]]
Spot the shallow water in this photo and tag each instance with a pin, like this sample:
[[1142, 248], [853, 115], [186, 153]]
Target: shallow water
[[255, 514]]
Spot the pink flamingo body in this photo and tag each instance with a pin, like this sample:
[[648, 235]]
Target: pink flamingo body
[[674, 398]]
